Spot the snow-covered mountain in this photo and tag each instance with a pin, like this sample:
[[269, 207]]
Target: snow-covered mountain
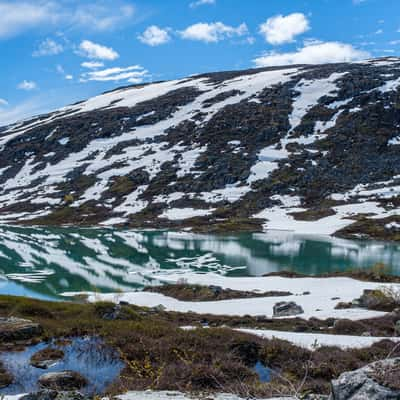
[[315, 149]]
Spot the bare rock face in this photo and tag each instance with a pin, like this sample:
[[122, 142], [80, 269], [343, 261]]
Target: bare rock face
[[65, 380], [287, 309], [12, 329], [376, 381]]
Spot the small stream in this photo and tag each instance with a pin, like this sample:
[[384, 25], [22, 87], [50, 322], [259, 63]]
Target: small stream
[[88, 356]]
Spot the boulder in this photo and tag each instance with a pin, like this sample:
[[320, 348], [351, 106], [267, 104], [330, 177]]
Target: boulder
[[12, 329], [377, 381], [112, 314], [46, 358], [287, 309], [65, 380], [377, 300]]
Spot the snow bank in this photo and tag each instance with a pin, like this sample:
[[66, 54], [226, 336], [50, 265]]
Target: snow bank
[[312, 341], [324, 295]]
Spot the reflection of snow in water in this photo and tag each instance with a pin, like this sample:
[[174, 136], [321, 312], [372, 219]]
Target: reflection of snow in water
[[68, 259], [206, 262], [33, 277]]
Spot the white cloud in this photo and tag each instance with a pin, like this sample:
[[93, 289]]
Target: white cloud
[[3, 103], [92, 64], [27, 85], [100, 17], [19, 16], [16, 17], [35, 105], [154, 36], [313, 53], [212, 33], [198, 3], [283, 29], [48, 47], [96, 51], [132, 74], [61, 71]]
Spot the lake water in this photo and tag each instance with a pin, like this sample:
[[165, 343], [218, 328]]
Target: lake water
[[44, 262]]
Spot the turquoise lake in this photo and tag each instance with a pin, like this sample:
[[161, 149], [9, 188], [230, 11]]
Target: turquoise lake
[[44, 262]]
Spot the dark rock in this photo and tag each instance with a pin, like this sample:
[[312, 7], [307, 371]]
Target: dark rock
[[12, 329], [65, 380], [287, 309], [376, 381], [46, 357], [377, 300], [6, 378], [113, 314]]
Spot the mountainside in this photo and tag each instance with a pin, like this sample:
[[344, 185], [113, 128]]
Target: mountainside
[[314, 149]]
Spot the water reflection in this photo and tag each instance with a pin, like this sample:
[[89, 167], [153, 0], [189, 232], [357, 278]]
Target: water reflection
[[99, 364], [43, 262]]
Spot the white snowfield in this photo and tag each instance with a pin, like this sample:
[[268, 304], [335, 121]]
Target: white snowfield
[[324, 295], [312, 341], [150, 156], [279, 218]]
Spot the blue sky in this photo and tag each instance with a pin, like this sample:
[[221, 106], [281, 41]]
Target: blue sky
[[58, 52]]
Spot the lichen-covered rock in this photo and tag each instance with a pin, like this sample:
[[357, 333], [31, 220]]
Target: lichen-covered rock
[[376, 381], [12, 329], [62, 381], [287, 309]]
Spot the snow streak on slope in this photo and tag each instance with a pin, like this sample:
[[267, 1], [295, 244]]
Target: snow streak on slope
[[224, 146]]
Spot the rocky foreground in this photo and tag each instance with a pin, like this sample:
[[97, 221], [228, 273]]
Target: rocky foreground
[[79, 350], [313, 149]]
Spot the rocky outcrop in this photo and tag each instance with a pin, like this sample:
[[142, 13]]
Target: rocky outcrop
[[287, 309], [62, 381], [13, 329], [47, 357], [377, 381], [377, 300]]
